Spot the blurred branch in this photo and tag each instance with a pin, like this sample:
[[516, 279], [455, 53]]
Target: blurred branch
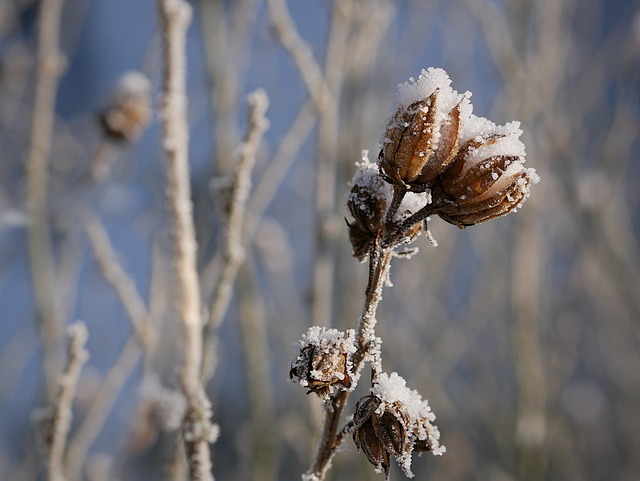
[[232, 250], [49, 64], [120, 282], [300, 53], [100, 408], [53, 423], [197, 429]]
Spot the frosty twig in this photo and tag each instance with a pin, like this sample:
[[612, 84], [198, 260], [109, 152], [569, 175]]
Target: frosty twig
[[41, 258], [197, 429], [233, 253], [53, 423]]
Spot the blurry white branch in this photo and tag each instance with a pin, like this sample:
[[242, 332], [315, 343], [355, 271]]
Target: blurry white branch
[[48, 68], [300, 53], [197, 429], [53, 423], [120, 282]]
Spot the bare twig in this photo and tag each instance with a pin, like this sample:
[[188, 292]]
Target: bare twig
[[232, 252], [100, 408], [54, 422], [197, 428], [120, 282], [48, 68], [300, 52]]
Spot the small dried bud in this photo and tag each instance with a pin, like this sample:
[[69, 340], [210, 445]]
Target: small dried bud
[[324, 362], [367, 202], [128, 111], [394, 421], [486, 180]]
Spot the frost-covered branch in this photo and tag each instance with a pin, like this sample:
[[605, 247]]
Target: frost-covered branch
[[119, 280], [197, 429], [49, 64], [53, 423], [232, 250]]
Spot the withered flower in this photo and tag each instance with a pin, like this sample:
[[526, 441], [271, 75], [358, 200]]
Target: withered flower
[[128, 111], [394, 421], [487, 178], [324, 361]]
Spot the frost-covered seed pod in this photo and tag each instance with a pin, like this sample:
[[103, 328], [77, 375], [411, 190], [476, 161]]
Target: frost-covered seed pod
[[422, 136], [323, 364], [394, 421], [487, 178]]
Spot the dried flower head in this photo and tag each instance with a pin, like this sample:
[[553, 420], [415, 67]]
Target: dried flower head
[[128, 111], [422, 136], [394, 421], [324, 362], [487, 178]]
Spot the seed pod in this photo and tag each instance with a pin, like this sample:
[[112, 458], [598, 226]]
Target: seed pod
[[367, 202], [128, 111], [324, 361], [394, 421], [368, 210], [486, 180], [418, 144]]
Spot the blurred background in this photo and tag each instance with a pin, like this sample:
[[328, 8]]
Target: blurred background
[[523, 333]]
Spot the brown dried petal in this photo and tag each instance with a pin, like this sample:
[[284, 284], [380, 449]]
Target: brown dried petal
[[498, 205], [446, 151], [390, 431], [368, 442], [411, 137]]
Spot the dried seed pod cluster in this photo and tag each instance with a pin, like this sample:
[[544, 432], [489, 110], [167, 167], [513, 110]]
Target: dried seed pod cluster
[[394, 421], [128, 111], [324, 361], [434, 143]]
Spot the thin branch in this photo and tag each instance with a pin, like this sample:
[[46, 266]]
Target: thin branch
[[120, 282], [100, 408], [197, 428], [232, 253], [41, 260], [53, 424], [300, 53]]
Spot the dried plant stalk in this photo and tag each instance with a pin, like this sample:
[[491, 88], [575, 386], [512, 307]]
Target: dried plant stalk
[[197, 429]]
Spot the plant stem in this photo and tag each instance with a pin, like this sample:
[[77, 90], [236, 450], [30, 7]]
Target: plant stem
[[380, 260]]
